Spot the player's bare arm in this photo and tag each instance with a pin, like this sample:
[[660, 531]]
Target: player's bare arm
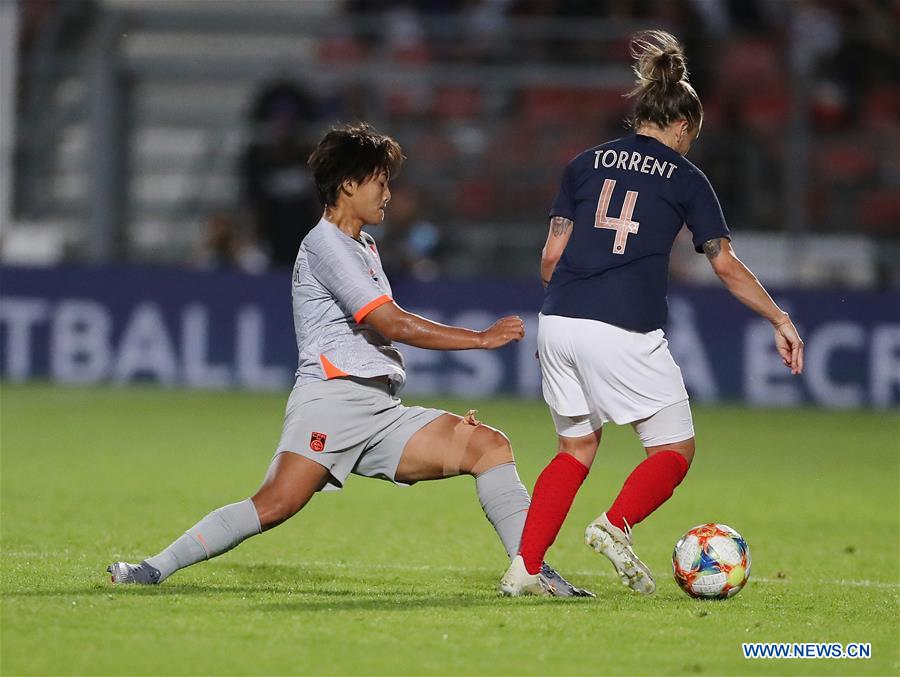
[[744, 285], [557, 239], [396, 324]]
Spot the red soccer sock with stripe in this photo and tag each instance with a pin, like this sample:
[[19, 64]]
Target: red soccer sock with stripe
[[648, 486], [554, 492]]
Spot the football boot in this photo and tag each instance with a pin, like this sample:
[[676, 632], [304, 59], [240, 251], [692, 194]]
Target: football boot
[[615, 544]]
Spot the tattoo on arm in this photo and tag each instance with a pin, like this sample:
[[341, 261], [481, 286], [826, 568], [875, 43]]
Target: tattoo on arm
[[559, 226], [712, 248]]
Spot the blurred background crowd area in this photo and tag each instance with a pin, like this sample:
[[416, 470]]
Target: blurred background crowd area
[[176, 131]]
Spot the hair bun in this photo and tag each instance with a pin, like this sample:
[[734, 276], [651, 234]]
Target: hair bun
[[660, 59], [670, 67]]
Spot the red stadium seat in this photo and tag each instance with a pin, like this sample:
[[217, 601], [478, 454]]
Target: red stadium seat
[[881, 109], [549, 104], [749, 61], [341, 49], [880, 211], [433, 150], [844, 162], [411, 54], [402, 103], [765, 111], [476, 198], [453, 102]]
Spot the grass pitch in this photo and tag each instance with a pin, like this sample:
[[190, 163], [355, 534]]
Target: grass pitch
[[377, 579]]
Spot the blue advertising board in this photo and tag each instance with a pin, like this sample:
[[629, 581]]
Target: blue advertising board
[[224, 329]]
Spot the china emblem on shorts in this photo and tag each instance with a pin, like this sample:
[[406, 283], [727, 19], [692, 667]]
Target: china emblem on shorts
[[317, 441]]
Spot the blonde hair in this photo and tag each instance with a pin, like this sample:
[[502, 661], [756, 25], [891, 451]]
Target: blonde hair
[[663, 93]]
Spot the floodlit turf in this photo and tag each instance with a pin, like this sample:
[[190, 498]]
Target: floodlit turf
[[377, 579]]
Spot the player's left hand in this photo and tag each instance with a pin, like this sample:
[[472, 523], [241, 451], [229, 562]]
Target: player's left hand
[[504, 330], [789, 345], [469, 418]]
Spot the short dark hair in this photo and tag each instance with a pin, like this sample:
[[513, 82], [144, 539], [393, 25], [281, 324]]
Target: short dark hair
[[352, 153]]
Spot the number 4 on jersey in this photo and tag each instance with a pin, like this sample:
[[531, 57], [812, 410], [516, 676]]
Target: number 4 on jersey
[[622, 225]]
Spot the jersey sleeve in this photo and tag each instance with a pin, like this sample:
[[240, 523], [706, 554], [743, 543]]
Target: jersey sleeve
[[344, 273], [704, 215], [564, 204]]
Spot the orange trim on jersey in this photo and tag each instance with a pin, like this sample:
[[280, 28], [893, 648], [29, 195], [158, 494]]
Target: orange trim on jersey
[[330, 370], [370, 306]]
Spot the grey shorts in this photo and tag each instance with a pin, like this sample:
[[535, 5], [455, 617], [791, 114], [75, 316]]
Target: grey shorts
[[351, 426]]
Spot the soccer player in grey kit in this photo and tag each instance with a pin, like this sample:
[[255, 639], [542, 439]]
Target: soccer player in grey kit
[[343, 415]]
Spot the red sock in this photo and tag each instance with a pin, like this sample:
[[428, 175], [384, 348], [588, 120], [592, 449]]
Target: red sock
[[648, 486], [554, 492]]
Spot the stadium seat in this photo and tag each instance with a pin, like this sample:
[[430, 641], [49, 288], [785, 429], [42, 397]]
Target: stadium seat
[[879, 211], [453, 102], [844, 162], [341, 49]]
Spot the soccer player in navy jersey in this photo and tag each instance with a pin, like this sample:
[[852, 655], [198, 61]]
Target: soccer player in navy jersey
[[603, 353]]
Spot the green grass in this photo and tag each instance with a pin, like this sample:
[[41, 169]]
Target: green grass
[[377, 579]]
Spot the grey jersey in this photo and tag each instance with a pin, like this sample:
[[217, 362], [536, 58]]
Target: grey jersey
[[337, 282]]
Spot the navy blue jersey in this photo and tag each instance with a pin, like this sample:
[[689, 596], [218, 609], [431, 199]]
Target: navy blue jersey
[[628, 199]]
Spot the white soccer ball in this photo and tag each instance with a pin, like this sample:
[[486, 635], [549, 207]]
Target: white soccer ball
[[711, 561]]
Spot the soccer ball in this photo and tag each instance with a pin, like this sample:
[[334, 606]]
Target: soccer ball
[[711, 561]]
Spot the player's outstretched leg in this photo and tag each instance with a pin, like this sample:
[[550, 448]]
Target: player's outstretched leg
[[450, 446], [217, 533], [290, 483]]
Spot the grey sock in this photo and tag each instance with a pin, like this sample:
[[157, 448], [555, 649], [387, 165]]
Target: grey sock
[[505, 502], [216, 533]]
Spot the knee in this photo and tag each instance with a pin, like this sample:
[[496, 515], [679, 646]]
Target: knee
[[490, 448], [584, 449], [685, 449]]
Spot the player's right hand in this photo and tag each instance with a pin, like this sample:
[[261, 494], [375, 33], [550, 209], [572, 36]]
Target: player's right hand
[[503, 331]]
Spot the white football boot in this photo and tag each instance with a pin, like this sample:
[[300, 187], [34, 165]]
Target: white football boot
[[517, 581], [611, 541]]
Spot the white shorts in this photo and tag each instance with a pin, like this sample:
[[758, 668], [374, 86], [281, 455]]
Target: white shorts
[[594, 372], [672, 424]]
